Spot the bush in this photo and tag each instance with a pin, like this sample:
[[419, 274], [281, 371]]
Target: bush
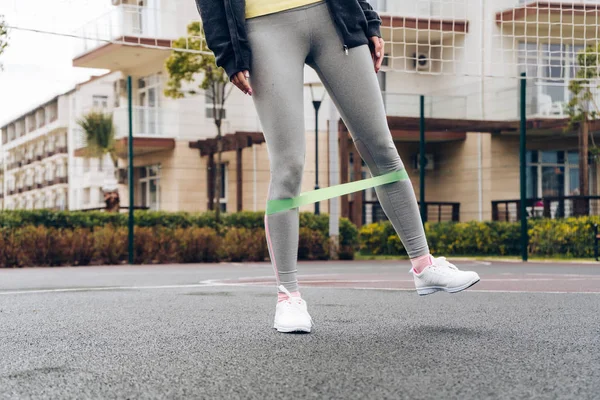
[[312, 245], [242, 244], [13, 253], [348, 239], [82, 249], [46, 246], [572, 237], [193, 245], [111, 244]]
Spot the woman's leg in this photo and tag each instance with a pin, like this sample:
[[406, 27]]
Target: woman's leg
[[352, 84], [280, 43]]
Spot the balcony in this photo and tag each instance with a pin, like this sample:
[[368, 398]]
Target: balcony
[[443, 114], [421, 22], [154, 129], [557, 21], [109, 38]]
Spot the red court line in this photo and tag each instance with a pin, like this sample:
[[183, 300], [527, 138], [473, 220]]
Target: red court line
[[568, 283]]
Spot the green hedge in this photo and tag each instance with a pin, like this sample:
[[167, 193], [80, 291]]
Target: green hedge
[[107, 245], [81, 238], [571, 237]]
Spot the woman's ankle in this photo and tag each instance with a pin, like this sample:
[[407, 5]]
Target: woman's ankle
[[422, 262], [283, 297]]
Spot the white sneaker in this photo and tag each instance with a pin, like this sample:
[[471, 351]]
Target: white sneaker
[[443, 275], [291, 315]]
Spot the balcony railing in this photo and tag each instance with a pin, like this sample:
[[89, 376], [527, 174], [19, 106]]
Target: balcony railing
[[147, 122], [548, 207], [436, 106], [422, 8], [126, 20], [434, 212]]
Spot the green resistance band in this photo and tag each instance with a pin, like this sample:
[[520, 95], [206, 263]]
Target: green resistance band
[[276, 206]]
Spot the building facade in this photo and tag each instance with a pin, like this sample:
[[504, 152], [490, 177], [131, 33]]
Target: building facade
[[35, 157], [463, 56]]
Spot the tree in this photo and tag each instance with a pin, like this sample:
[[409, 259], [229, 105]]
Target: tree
[[100, 136], [184, 67], [3, 37], [583, 109]]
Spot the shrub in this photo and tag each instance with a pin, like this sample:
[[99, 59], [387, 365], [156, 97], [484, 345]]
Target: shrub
[[348, 239], [82, 246], [193, 245], [12, 252], [312, 245], [46, 246], [144, 245], [111, 244], [572, 237], [242, 244]]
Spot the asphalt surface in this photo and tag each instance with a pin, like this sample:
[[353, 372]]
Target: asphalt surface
[[205, 331]]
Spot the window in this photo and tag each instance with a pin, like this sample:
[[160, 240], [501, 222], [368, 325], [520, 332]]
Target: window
[[150, 187], [213, 102], [223, 194], [86, 164], [554, 65], [553, 173], [100, 101], [147, 114], [86, 196]]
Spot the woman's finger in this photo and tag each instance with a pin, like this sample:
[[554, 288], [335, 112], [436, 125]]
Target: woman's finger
[[243, 81], [379, 54]]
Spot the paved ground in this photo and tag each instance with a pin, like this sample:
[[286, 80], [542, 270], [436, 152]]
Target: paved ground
[[204, 331]]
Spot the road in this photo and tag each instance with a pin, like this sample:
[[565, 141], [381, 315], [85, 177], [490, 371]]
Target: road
[[205, 331]]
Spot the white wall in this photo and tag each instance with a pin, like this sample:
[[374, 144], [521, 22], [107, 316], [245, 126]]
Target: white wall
[[87, 175]]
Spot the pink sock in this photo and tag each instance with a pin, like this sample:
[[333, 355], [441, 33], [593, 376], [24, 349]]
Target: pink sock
[[420, 263], [283, 297]]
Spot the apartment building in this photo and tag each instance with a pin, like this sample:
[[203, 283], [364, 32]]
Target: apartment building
[[464, 56], [39, 170], [35, 157]]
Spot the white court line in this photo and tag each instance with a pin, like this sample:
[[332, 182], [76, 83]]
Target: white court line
[[215, 283], [99, 289]]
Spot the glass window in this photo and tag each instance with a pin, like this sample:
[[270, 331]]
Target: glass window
[[573, 157], [549, 157], [223, 181], [100, 101], [553, 181]]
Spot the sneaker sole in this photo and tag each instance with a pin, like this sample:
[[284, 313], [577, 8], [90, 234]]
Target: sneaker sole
[[432, 289], [294, 329]]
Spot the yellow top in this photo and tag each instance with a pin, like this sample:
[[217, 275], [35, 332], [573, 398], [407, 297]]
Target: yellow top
[[256, 8]]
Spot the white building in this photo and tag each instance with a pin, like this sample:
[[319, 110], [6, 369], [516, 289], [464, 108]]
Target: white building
[[39, 166], [87, 176], [35, 151]]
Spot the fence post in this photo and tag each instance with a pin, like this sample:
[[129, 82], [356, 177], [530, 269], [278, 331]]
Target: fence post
[[130, 159], [422, 159], [522, 160], [596, 241]]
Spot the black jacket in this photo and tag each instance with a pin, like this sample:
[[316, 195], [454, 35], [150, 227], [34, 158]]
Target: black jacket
[[225, 28]]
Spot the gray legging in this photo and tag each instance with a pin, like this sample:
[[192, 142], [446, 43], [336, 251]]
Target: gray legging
[[281, 44]]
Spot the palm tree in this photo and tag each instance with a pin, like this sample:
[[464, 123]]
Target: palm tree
[[100, 138]]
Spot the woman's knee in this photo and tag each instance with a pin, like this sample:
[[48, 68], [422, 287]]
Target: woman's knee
[[381, 156], [286, 180]]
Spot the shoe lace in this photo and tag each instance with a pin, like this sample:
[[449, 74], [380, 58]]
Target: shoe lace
[[442, 262], [293, 301]]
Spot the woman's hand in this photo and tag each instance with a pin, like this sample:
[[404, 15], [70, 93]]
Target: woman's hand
[[377, 45], [241, 81]]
